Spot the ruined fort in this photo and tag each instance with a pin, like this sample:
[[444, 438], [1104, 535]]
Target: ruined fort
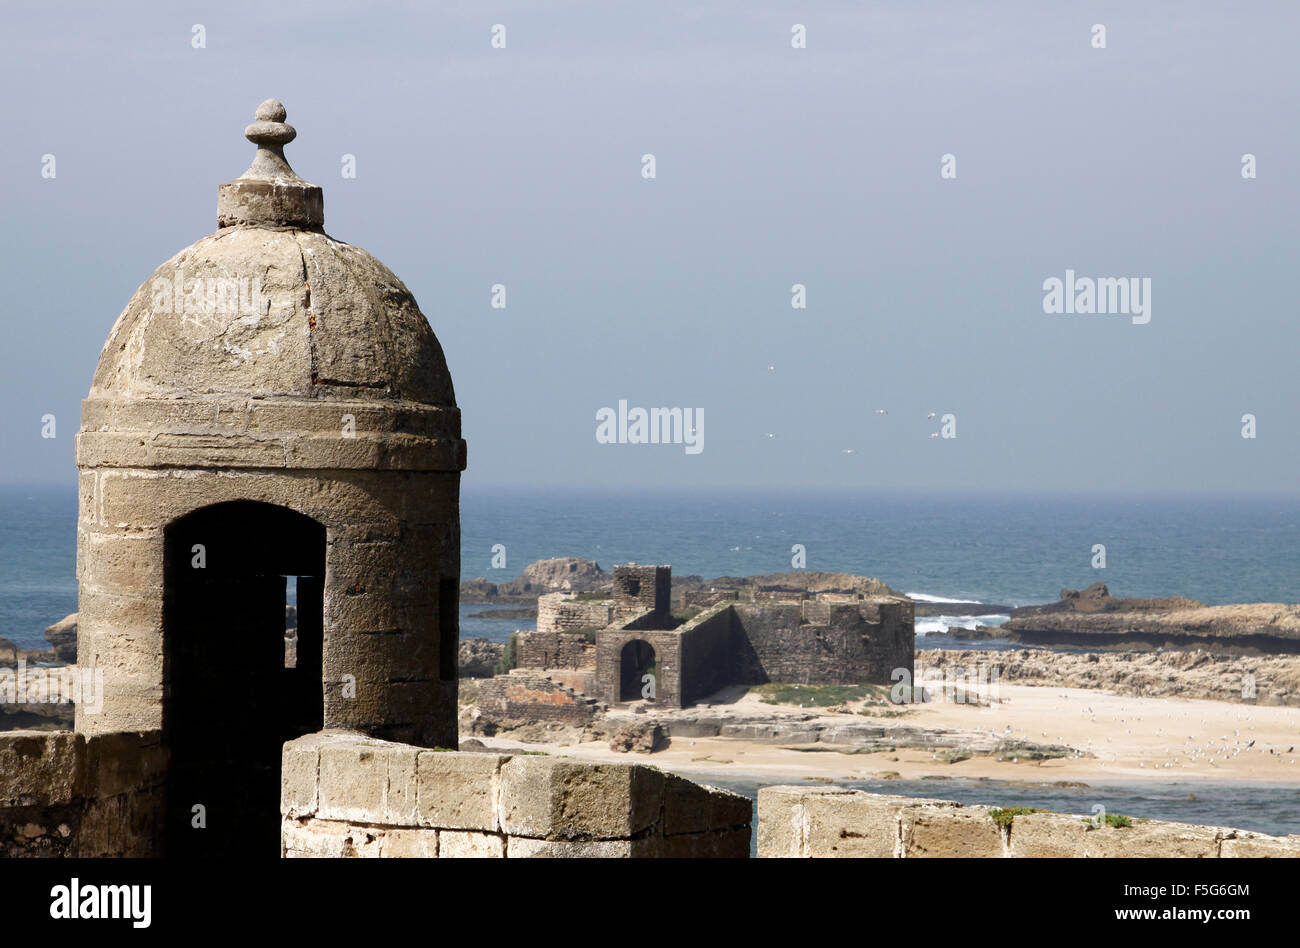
[[630, 646]]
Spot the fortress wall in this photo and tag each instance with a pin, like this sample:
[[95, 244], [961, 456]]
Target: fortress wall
[[347, 795], [64, 794], [845, 649], [709, 650], [812, 822], [667, 646], [639, 589], [551, 649], [558, 612], [529, 698]]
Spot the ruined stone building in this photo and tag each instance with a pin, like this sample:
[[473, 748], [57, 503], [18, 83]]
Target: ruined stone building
[[272, 405], [605, 647]]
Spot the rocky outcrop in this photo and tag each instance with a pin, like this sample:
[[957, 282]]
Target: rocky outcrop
[[925, 609], [562, 574], [793, 583], [62, 637], [1262, 679], [641, 737], [1097, 599], [1092, 618], [478, 657]]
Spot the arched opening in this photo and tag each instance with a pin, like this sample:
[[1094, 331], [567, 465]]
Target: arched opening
[[635, 662], [236, 686]]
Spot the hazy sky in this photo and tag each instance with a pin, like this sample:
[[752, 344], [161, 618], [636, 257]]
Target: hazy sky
[[774, 166]]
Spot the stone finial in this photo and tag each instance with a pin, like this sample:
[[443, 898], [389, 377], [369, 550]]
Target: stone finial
[[270, 193]]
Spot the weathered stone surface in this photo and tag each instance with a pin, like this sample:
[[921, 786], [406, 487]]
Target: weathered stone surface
[[409, 844], [41, 768], [948, 831], [802, 822], [318, 838], [127, 762], [1152, 840], [720, 844], [459, 790], [830, 822], [549, 798], [477, 658], [518, 847], [368, 782], [642, 737], [1253, 846], [694, 808], [299, 776], [1047, 836], [454, 844]]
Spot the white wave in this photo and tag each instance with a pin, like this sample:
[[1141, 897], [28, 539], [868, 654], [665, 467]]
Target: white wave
[[929, 624], [922, 597]]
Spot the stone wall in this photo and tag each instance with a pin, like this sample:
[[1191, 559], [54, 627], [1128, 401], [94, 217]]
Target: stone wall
[[64, 794], [528, 698], [822, 822], [550, 649], [668, 663], [561, 612], [711, 645], [639, 589], [704, 598], [843, 643], [348, 795]]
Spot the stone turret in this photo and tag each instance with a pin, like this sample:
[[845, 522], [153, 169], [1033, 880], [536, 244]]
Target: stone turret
[[270, 404]]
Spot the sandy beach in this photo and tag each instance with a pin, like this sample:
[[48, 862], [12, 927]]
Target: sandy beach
[[1119, 738]]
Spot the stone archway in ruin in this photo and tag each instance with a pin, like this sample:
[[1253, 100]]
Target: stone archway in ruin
[[234, 691], [636, 660]]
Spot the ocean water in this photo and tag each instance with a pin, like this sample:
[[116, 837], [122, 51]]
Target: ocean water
[[1000, 549]]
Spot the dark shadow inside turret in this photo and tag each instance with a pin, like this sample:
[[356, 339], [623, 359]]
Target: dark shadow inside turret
[[231, 696]]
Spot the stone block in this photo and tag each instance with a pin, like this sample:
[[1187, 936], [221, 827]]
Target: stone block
[[949, 831], [518, 847], [409, 844], [804, 822], [715, 844], [326, 839], [693, 808], [124, 762], [367, 781], [455, 844], [550, 798], [299, 771], [1047, 836], [1154, 839], [459, 791], [41, 768]]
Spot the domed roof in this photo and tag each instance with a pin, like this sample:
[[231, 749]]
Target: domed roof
[[271, 306]]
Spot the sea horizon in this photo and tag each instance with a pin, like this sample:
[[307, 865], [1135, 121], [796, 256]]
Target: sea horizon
[[1003, 548]]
